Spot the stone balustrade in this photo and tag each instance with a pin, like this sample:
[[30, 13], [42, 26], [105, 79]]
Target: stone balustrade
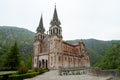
[[89, 71], [72, 71]]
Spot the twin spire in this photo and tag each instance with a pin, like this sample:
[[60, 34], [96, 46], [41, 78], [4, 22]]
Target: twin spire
[[55, 16], [54, 21], [41, 27]]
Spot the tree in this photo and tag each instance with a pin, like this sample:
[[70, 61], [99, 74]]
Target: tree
[[12, 59], [29, 62], [111, 59]]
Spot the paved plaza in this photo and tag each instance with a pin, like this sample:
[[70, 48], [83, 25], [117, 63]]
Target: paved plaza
[[53, 75]]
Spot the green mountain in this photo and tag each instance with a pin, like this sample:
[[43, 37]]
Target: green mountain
[[25, 39]]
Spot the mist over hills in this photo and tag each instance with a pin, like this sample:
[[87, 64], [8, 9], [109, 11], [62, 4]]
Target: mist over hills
[[25, 39]]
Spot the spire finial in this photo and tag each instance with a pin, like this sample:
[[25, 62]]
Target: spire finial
[[55, 5], [41, 14]]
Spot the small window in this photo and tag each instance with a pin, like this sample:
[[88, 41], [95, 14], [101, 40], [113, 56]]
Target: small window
[[35, 60], [51, 58], [71, 59], [55, 30], [59, 58], [65, 58]]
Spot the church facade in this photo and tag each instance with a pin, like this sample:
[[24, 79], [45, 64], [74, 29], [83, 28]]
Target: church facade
[[52, 52]]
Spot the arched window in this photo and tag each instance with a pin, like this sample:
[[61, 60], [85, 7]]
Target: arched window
[[35, 60], [43, 64], [46, 64], [39, 64], [55, 31], [41, 36], [65, 58], [59, 58], [71, 59], [59, 31], [50, 32]]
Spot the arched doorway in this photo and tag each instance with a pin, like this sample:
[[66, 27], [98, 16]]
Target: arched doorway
[[46, 64], [43, 63], [39, 64]]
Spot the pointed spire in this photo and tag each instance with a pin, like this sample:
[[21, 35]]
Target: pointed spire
[[41, 22], [55, 20], [55, 17], [40, 27]]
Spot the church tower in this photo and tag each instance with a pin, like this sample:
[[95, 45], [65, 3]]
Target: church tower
[[40, 35], [38, 43], [55, 28], [55, 38], [40, 31]]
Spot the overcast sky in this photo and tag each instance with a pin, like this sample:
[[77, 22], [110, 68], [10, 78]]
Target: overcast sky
[[80, 19]]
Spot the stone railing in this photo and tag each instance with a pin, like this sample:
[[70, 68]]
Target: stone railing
[[89, 71], [72, 71], [113, 73]]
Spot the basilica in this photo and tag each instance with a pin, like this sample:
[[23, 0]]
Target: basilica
[[52, 52]]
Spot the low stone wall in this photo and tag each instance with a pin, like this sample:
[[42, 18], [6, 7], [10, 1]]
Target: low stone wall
[[104, 73], [113, 73], [72, 71], [108, 73], [90, 71]]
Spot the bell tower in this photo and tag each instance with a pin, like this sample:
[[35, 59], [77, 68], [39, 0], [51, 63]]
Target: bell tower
[[55, 38], [55, 28], [38, 42], [40, 35]]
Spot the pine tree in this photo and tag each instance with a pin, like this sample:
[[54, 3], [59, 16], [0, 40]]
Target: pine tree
[[12, 60], [111, 60], [29, 62]]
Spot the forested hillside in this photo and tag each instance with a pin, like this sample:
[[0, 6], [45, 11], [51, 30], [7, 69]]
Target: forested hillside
[[25, 39], [111, 60]]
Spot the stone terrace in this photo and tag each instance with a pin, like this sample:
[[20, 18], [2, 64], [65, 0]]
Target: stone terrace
[[53, 75]]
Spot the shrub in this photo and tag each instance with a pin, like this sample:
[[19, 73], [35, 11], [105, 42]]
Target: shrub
[[22, 76], [35, 69], [5, 76], [1, 77], [45, 70], [30, 71], [42, 71], [22, 70], [119, 68]]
